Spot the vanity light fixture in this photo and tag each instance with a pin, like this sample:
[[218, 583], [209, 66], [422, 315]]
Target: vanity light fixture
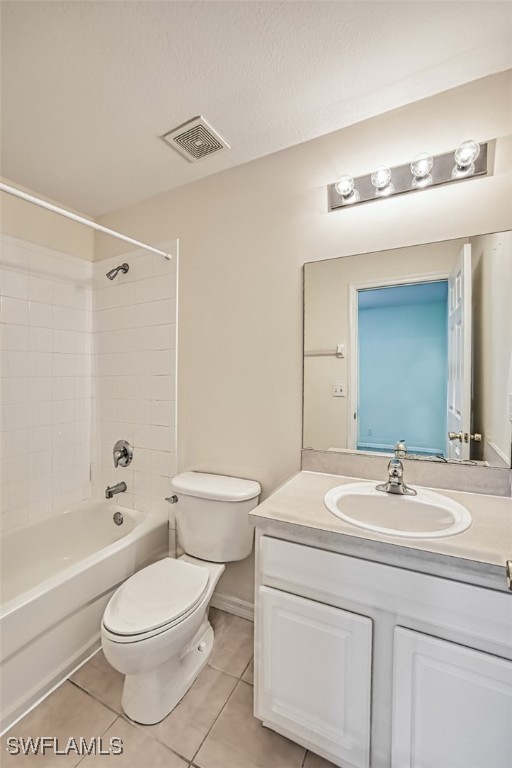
[[423, 171]]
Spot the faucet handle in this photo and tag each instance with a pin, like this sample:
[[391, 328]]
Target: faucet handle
[[400, 449], [123, 453]]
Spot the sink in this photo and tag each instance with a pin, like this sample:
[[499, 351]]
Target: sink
[[428, 515]]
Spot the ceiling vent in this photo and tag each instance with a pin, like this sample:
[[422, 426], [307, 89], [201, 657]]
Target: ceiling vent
[[195, 139]]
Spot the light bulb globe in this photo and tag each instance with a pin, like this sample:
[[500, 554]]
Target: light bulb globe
[[381, 177], [466, 154], [344, 186], [421, 165]]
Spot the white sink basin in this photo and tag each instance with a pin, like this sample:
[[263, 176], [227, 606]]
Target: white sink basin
[[428, 515]]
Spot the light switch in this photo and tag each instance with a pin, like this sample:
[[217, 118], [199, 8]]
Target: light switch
[[339, 389]]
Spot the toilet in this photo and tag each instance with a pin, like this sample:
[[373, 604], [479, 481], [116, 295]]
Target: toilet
[[155, 628]]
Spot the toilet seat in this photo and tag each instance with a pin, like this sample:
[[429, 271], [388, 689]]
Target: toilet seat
[[155, 599]]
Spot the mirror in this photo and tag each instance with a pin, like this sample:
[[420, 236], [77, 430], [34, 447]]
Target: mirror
[[412, 344]]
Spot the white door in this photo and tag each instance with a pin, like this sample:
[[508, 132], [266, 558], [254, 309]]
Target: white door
[[314, 676], [452, 706], [459, 357]]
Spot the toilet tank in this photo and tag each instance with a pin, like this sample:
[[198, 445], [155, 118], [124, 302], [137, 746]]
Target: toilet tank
[[212, 515]]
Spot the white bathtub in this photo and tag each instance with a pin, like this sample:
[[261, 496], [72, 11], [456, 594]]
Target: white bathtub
[[57, 575]]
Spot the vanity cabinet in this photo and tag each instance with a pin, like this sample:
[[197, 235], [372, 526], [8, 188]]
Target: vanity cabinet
[[373, 666]]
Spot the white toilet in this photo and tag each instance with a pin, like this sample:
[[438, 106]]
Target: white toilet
[[155, 628]]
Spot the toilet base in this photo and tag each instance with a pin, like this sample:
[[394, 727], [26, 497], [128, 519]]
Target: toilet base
[[149, 697]]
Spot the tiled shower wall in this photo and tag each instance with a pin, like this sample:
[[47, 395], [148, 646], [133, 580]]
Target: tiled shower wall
[[134, 377], [45, 385]]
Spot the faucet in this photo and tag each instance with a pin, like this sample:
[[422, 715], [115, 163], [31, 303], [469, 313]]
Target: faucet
[[395, 483], [123, 453], [111, 490]]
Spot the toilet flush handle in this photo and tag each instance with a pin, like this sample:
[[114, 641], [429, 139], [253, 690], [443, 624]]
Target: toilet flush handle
[[172, 499]]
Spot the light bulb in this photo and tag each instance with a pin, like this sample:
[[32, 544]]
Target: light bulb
[[381, 180], [465, 156], [422, 165], [381, 177], [345, 188]]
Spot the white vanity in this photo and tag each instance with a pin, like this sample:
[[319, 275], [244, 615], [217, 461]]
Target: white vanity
[[377, 651]]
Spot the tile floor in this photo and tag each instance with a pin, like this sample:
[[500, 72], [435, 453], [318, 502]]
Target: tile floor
[[212, 727]]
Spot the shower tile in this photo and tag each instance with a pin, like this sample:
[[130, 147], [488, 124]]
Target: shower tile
[[14, 337], [13, 311], [40, 289], [14, 283], [40, 315], [163, 388], [162, 463]]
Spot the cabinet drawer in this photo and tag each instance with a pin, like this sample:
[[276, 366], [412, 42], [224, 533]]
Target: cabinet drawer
[[481, 616]]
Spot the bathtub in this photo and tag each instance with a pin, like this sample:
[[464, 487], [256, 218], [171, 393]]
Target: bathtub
[[57, 576]]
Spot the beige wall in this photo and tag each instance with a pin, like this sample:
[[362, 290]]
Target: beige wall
[[244, 236], [327, 323], [19, 218], [492, 296]]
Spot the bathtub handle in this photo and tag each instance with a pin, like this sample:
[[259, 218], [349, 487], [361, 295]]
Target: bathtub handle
[[172, 499], [123, 453]]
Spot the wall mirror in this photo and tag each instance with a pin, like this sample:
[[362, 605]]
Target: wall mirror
[[412, 344]]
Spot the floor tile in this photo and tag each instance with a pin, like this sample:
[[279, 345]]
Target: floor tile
[[101, 680], [67, 712], [248, 675], [315, 761], [187, 725], [238, 740], [234, 642], [138, 750]]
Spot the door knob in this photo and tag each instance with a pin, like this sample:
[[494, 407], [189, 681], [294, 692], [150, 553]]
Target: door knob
[[477, 437]]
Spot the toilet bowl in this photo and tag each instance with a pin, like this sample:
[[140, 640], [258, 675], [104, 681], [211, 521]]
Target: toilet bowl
[[155, 628]]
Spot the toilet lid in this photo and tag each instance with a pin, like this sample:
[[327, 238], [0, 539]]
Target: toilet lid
[[157, 595]]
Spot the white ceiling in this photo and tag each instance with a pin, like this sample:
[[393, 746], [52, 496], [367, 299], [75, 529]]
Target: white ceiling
[[88, 87]]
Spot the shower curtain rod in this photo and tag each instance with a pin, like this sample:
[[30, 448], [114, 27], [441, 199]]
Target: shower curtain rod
[[79, 219]]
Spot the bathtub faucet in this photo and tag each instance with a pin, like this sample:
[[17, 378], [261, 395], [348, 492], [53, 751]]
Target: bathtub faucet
[[111, 490]]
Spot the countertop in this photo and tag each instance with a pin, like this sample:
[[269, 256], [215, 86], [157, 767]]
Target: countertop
[[296, 511]]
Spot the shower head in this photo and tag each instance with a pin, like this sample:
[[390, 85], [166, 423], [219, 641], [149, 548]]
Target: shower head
[[114, 272]]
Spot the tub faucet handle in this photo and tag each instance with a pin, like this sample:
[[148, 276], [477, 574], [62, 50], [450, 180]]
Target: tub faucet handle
[[123, 453]]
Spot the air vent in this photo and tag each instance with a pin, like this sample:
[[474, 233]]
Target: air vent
[[195, 139]]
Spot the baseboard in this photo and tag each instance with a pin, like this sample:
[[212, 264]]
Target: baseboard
[[233, 605], [495, 456]]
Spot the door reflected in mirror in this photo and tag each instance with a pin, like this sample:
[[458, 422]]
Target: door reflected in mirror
[[412, 344]]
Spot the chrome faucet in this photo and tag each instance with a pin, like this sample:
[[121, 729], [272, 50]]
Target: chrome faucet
[[395, 483], [111, 490], [122, 453]]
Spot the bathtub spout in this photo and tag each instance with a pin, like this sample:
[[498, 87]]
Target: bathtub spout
[[111, 490]]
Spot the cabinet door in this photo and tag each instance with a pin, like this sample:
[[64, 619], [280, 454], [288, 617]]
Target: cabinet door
[[452, 705], [314, 673]]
